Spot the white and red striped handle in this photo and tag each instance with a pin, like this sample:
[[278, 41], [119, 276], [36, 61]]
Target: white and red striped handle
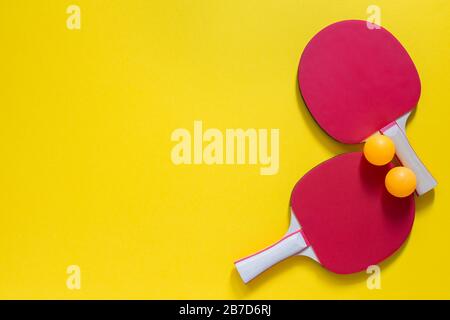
[[407, 156], [251, 266]]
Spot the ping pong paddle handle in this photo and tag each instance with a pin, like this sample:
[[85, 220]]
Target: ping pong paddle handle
[[408, 158], [251, 266]]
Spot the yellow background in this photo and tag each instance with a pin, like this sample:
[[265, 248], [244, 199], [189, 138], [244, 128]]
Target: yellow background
[[85, 170]]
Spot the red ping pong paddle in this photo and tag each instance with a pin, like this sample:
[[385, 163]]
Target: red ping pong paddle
[[341, 216], [358, 81]]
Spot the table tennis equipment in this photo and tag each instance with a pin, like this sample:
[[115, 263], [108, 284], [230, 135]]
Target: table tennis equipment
[[342, 217], [400, 182], [357, 81], [379, 150]]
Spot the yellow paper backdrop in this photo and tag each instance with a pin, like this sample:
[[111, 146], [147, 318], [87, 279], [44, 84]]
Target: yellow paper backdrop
[[85, 172]]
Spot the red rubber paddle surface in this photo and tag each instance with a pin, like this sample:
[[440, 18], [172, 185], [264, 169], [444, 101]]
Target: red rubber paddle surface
[[347, 215], [355, 80]]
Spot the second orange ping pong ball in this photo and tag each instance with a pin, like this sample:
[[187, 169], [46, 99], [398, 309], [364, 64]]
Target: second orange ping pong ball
[[400, 182], [379, 150]]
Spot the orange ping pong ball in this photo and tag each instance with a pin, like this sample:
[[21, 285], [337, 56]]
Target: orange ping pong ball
[[379, 150], [400, 182]]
